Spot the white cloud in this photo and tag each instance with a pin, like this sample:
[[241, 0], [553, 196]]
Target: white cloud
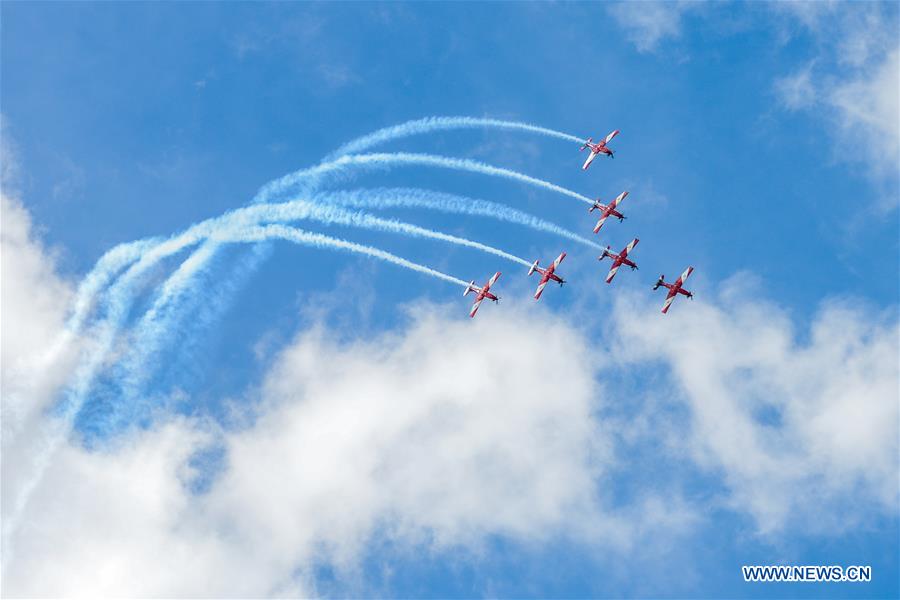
[[797, 91], [34, 303], [35, 359], [9, 161], [853, 82], [114, 523], [419, 435], [648, 23], [801, 431], [862, 108], [868, 108], [854, 32], [811, 15], [33, 308]]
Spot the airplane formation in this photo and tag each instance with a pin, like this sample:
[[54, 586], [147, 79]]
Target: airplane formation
[[618, 259]]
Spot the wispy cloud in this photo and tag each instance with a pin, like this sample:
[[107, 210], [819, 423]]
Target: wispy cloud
[[797, 91], [869, 103], [648, 24], [10, 170], [852, 82]]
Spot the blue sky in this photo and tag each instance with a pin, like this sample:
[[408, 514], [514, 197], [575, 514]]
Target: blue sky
[[759, 144]]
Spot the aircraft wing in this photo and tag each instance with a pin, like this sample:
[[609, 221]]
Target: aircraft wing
[[540, 289], [669, 298], [631, 245], [611, 135], [618, 199], [494, 279], [612, 271], [475, 306], [685, 275], [589, 160], [600, 223], [559, 259]]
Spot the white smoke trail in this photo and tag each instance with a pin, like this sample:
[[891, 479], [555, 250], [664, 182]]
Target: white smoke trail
[[111, 263], [385, 198], [153, 331], [318, 240], [339, 168], [120, 295], [342, 166], [205, 311], [334, 215], [336, 169], [419, 127], [201, 306], [105, 268], [103, 273], [180, 294], [430, 124]]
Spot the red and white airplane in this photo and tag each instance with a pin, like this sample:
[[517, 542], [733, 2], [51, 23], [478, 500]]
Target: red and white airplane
[[607, 211], [547, 274], [674, 288], [482, 292], [598, 148], [619, 259]]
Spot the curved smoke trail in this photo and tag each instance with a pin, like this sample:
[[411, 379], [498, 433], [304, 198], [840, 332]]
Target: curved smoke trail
[[430, 124], [119, 296], [106, 267], [335, 170], [335, 215], [260, 233], [181, 294], [339, 168], [154, 329], [386, 198], [110, 264]]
